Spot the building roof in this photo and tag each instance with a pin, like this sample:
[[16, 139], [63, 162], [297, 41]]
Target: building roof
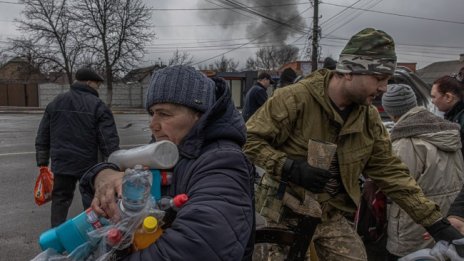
[[20, 70], [438, 69], [139, 74]]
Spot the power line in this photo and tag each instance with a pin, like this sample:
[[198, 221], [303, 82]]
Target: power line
[[249, 10], [209, 25], [395, 14], [277, 27], [224, 8], [354, 15], [339, 13], [8, 2], [197, 9]]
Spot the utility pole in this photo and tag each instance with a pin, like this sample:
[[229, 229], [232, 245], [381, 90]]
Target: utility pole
[[315, 36]]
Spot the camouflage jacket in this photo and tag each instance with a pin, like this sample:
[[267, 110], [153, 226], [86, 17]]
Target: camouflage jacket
[[282, 127]]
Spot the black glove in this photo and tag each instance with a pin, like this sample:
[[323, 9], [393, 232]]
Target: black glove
[[309, 177], [443, 230]]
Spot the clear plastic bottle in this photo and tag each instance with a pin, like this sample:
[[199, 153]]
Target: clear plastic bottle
[[136, 186], [148, 233], [118, 242]]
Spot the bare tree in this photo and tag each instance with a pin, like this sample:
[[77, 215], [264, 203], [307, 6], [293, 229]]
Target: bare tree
[[51, 40], [3, 57], [271, 58], [38, 57], [250, 64], [180, 58], [116, 32], [224, 65]]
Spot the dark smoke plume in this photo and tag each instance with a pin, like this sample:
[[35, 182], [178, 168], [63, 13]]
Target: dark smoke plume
[[272, 21]]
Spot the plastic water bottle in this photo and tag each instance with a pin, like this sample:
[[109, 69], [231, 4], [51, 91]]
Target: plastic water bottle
[[72, 233], [118, 242], [173, 203], [136, 186], [148, 233], [158, 155], [113, 237]]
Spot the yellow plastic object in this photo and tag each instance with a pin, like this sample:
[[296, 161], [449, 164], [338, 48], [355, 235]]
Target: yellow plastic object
[[150, 224], [147, 234]]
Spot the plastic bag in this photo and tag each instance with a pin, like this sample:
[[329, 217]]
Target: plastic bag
[[43, 186], [440, 252], [371, 216]]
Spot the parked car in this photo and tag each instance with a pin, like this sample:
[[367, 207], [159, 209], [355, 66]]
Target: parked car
[[421, 89]]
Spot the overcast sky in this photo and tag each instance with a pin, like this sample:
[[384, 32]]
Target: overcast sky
[[425, 31]]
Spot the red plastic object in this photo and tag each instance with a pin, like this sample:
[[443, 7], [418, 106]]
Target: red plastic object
[[180, 200]]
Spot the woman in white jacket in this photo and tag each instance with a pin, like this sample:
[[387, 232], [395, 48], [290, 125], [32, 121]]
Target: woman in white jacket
[[430, 147]]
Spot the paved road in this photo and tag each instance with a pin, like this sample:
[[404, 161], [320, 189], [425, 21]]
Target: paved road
[[21, 221]]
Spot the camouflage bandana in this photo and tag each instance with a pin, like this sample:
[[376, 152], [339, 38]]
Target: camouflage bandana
[[368, 52]]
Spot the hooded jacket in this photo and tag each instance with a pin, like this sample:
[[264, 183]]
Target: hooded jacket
[[217, 222], [75, 126], [303, 111], [456, 114], [431, 148]]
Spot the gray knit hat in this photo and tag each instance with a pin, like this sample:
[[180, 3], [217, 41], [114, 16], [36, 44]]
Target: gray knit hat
[[398, 99], [181, 85]]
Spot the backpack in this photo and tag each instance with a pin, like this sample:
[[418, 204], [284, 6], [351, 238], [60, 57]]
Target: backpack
[[371, 216]]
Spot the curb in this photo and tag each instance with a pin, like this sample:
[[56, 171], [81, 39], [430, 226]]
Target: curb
[[38, 110]]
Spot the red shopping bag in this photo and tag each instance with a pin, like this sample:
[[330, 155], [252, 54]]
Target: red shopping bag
[[43, 186]]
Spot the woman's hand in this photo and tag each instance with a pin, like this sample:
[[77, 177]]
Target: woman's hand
[[108, 189], [457, 223]]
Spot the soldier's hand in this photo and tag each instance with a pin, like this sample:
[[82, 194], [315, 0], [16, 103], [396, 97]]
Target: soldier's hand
[[309, 177]]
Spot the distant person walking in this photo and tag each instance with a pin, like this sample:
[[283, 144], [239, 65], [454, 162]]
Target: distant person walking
[[287, 77], [75, 126], [257, 95], [447, 94], [430, 148], [330, 63]]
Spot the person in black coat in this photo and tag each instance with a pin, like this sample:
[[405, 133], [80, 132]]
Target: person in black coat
[[75, 126], [455, 84], [198, 115], [287, 77], [257, 95]]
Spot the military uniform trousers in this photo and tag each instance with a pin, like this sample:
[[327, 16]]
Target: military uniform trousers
[[334, 239]]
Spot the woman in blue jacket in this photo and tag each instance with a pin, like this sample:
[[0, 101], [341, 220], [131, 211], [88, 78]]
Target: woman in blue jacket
[[198, 115]]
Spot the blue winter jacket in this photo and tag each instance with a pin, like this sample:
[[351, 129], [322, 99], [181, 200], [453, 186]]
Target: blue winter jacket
[[75, 126], [217, 223]]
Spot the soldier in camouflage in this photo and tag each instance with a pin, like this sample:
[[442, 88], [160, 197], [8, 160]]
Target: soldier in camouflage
[[335, 107]]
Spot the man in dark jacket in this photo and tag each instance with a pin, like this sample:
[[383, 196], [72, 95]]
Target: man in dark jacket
[[257, 95], [198, 115], [287, 77], [76, 125]]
